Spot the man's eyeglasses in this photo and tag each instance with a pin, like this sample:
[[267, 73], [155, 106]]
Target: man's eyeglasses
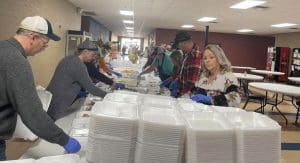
[[44, 39]]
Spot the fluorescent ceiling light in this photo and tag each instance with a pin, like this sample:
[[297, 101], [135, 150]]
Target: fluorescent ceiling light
[[129, 28], [283, 25], [207, 19], [128, 21], [247, 4], [245, 30], [187, 26], [123, 12]]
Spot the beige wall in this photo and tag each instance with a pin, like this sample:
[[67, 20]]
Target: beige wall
[[291, 40], [63, 16]]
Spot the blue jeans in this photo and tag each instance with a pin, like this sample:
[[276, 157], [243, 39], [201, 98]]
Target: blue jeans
[[2, 150]]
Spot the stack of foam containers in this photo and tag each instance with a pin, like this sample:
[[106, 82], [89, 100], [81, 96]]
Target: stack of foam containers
[[210, 138], [80, 125], [113, 132], [161, 135], [258, 137]]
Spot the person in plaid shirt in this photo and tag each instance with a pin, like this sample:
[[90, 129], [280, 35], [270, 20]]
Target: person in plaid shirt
[[189, 72]]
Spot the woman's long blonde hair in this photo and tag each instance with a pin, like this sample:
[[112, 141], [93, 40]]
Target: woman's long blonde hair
[[225, 65]]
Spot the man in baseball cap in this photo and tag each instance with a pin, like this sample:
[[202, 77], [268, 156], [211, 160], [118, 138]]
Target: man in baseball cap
[[18, 94], [190, 64], [40, 25]]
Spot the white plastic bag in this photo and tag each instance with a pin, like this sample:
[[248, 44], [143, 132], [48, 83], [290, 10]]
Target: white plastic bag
[[21, 130]]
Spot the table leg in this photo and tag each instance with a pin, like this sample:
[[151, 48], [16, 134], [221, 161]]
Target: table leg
[[276, 103]]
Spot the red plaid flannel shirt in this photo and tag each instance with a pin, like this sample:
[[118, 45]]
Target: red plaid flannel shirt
[[190, 71]]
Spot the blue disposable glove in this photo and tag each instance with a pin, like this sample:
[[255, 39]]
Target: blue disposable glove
[[120, 86], [72, 146], [174, 88], [110, 66], [202, 99], [165, 83], [118, 74]]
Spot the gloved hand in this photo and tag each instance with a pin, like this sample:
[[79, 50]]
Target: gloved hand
[[119, 86], [165, 83], [202, 99], [110, 66], [174, 88], [118, 74], [72, 146]]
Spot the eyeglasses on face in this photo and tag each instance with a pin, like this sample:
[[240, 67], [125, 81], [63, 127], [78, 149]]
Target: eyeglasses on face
[[44, 39]]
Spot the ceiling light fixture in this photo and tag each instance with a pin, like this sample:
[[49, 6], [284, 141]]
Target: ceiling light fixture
[[128, 21], [187, 26], [207, 19], [129, 28], [282, 25], [245, 30], [247, 4], [124, 12]]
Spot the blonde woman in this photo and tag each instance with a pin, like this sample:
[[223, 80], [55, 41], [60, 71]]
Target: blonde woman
[[217, 84]]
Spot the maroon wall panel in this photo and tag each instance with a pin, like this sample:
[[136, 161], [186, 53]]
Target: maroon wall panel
[[241, 50]]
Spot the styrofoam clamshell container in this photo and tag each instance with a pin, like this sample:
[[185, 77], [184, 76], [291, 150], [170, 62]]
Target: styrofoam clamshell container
[[21, 130], [157, 100], [210, 136], [67, 158], [126, 92], [161, 126], [20, 161], [84, 132], [114, 119], [122, 97], [188, 106], [224, 109], [81, 123], [255, 130]]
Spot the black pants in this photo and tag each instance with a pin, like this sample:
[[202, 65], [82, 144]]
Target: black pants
[[2, 150]]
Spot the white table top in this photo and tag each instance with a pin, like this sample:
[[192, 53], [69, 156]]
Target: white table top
[[294, 79], [243, 67], [265, 72], [276, 87], [248, 76]]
